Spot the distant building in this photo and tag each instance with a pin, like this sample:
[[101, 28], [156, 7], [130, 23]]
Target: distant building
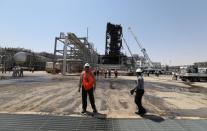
[[172, 68], [201, 64], [157, 64]]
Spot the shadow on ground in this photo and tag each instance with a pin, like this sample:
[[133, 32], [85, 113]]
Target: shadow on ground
[[154, 118], [96, 115]]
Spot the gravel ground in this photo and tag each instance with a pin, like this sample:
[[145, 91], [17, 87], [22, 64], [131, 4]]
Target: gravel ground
[[42, 93]]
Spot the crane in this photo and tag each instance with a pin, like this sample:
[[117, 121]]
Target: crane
[[134, 65], [133, 59], [128, 47], [143, 50]]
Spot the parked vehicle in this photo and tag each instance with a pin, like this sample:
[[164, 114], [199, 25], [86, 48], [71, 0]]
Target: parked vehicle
[[49, 67], [193, 74]]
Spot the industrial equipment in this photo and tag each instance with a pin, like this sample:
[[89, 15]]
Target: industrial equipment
[[192, 73], [20, 57], [143, 50], [113, 54], [72, 52]]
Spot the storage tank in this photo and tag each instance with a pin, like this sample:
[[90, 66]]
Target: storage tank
[[20, 57]]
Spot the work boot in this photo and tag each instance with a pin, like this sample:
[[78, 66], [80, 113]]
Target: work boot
[[95, 111], [142, 112], [83, 111]]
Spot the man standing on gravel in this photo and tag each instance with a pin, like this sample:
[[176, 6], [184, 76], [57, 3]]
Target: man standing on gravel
[[139, 89], [88, 84]]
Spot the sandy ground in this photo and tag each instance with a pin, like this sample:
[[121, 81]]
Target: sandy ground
[[44, 93]]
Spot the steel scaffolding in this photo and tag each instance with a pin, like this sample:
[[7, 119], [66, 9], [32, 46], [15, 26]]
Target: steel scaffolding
[[74, 52]]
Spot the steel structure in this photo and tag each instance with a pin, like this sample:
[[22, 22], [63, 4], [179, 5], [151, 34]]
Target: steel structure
[[113, 45], [6, 60], [75, 52]]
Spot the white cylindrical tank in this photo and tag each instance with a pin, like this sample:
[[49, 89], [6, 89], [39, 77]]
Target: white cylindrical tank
[[20, 57]]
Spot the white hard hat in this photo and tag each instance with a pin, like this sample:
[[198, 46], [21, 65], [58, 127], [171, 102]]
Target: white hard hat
[[138, 70], [86, 65]]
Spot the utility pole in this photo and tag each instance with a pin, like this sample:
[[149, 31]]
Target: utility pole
[[87, 34]]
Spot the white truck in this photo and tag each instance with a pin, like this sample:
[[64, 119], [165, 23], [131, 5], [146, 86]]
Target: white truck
[[49, 67], [192, 74]]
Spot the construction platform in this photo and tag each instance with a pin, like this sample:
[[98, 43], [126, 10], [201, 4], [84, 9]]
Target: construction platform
[[17, 122]]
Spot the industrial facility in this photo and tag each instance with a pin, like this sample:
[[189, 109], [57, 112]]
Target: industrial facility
[[74, 53], [103, 65], [32, 59], [46, 84], [71, 52]]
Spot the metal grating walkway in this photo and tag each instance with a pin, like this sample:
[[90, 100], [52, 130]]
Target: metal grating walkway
[[10, 122]]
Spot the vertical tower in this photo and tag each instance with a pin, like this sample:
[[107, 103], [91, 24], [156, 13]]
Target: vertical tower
[[113, 44]]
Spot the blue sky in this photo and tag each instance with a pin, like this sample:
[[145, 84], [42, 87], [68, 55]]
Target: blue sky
[[172, 31]]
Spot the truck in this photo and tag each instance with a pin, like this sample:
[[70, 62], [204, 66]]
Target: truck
[[49, 67], [192, 74]]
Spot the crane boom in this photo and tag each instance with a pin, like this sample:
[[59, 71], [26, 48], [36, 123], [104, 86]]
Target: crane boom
[[143, 50], [133, 59], [128, 47]]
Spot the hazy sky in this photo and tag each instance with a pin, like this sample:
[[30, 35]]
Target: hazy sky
[[172, 31]]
